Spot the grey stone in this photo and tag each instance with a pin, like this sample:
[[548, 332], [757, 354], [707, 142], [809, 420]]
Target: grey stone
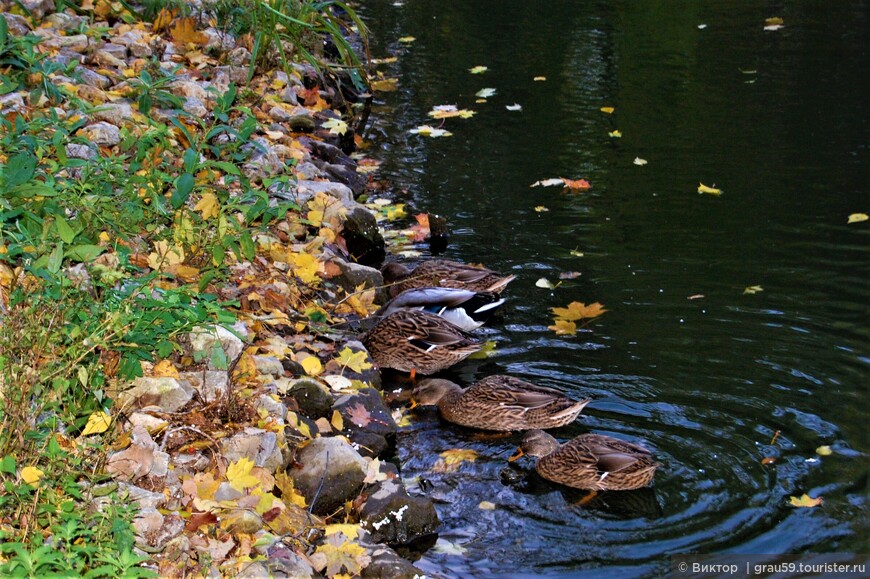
[[17, 25], [104, 58], [167, 393], [38, 8], [253, 570], [142, 458], [260, 446], [92, 78], [308, 189], [301, 123], [135, 42], [144, 498], [355, 181], [204, 338], [119, 51], [288, 95], [387, 564], [308, 171], [379, 415], [12, 102], [219, 40], [236, 74], [240, 56], [313, 399], [272, 406], [394, 517], [354, 275], [283, 562], [211, 384], [268, 365], [242, 521], [156, 530], [335, 464], [264, 161], [195, 107], [225, 492], [115, 113], [76, 42], [189, 88], [102, 134], [362, 237]]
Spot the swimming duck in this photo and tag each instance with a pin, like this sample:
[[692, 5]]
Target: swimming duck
[[418, 342], [499, 403], [465, 308], [443, 273], [590, 461]]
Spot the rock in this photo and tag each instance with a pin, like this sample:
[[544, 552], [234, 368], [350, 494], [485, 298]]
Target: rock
[[242, 521], [293, 367], [354, 275], [313, 399], [301, 123], [308, 189], [355, 181], [211, 384], [219, 40], [283, 562], [335, 464], [102, 134], [119, 51], [236, 74], [115, 113], [256, 444], [145, 499], [189, 88], [11, 103], [272, 406], [268, 365], [195, 107], [76, 42], [254, 570], [203, 339], [367, 420], [156, 530], [65, 22], [308, 171], [394, 517], [142, 458], [92, 94], [38, 8], [150, 423], [387, 564], [135, 42], [362, 237], [92, 78], [264, 161], [288, 95], [328, 153], [240, 56], [226, 492], [17, 25], [167, 393]]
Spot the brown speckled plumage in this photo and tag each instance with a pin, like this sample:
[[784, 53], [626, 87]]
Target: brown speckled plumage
[[414, 340], [499, 402], [591, 461], [443, 273]]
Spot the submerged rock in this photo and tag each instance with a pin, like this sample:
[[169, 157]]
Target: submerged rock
[[362, 237], [396, 518], [367, 420]]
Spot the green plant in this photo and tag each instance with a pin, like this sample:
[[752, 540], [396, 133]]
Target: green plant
[[151, 89]]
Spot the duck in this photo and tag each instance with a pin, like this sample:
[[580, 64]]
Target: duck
[[418, 342], [499, 402], [592, 462], [443, 273], [467, 309]]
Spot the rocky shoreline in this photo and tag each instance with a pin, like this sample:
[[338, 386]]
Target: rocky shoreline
[[271, 463]]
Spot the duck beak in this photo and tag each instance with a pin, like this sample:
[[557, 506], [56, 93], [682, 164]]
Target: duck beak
[[414, 404], [517, 455]]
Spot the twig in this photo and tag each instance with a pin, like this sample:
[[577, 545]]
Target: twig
[[319, 488]]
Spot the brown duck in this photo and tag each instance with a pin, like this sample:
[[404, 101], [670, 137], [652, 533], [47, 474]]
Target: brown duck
[[418, 342], [499, 403], [443, 273], [590, 461]]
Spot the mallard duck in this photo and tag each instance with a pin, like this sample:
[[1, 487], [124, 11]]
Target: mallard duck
[[418, 342], [443, 273], [465, 308], [590, 461], [499, 403]]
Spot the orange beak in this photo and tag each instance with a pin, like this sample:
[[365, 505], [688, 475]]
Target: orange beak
[[517, 455], [413, 405]]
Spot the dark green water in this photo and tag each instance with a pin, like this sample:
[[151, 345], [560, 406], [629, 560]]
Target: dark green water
[[778, 120]]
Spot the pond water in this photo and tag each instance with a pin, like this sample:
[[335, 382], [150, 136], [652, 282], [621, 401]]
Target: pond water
[[684, 361]]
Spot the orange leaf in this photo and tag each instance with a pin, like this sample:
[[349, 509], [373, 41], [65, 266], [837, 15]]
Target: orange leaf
[[577, 184], [164, 18], [185, 32], [579, 311], [805, 501], [563, 327]]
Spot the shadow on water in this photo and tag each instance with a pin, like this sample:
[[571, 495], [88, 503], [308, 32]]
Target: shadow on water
[[732, 391]]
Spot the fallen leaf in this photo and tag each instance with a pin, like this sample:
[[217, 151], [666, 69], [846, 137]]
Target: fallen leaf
[[539, 78], [615, 134], [478, 70], [514, 107], [452, 459], [312, 365], [695, 297], [545, 283], [184, 32], [549, 182], [428, 131], [576, 184], [541, 209], [356, 361], [338, 383], [31, 475], [639, 161], [445, 547], [485, 351], [239, 474], [486, 506], [824, 450], [164, 369], [165, 256], [98, 422], [164, 19], [579, 311], [563, 327], [485, 93], [711, 190], [346, 529], [407, 39], [337, 553], [576, 253], [449, 112], [385, 85], [569, 275], [607, 110], [336, 126], [359, 415], [753, 289], [768, 460], [857, 218], [805, 501], [199, 519], [373, 472]]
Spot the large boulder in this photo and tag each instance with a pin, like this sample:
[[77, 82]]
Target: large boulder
[[396, 518], [362, 237], [331, 474]]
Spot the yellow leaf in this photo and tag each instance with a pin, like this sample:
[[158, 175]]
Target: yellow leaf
[[336, 126], [429, 131], [355, 361], [104, 237], [579, 311], [539, 78], [541, 209], [305, 267], [163, 19], [97, 422], [486, 350], [165, 256], [858, 217], [31, 474], [615, 134], [385, 85], [208, 206], [337, 421], [824, 450], [608, 110], [312, 365], [239, 474], [288, 492], [563, 327], [478, 70], [449, 112], [337, 553], [396, 211], [753, 289], [640, 162], [486, 506], [452, 459], [711, 190], [348, 530], [315, 217], [407, 39], [184, 32], [805, 501], [164, 369]]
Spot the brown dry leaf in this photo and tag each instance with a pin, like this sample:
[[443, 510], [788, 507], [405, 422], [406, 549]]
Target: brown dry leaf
[[184, 32], [198, 519], [164, 369], [768, 460], [359, 415], [579, 311], [452, 459], [805, 501]]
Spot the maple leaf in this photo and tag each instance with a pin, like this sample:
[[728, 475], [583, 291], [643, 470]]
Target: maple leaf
[[478, 69], [348, 530], [336, 126], [165, 256], [711, 190], [579, 311], [428, 131], [639, 161], [563, 327], [337, 553], [805, 501], [312, 365], [239, 474], [184, 32], [577, 184], [453, 458], [164, 19], [359, 415], [407, 39], [305, 267], [449, 112], [164, 368], [97, 422], [31, 474], [753, 289], [284, 483], [356, 361], [373, 472], [615, 134], [385, 84], [485, 93], [208, 206]]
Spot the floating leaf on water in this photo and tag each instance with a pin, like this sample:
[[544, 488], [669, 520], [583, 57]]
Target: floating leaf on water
[[485, 93], [553, 182], [486, 350], [640, 162], [452, 459], [824, 450], [576, 253], [449, 112], [541, 209], [753, 289], [857, 218], [615, 134], [702, 26], [805, 501], [563, 327], [545, 283], [695, 297], [445, 547], [478, 70], [768, 460], [385, 85], [388, 60], [539, 78], [576, 184], [579, 311], [570, 275], [486, 506], [428, 131], [607, 110], [514, 107], [407, 39], [711, 190]]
